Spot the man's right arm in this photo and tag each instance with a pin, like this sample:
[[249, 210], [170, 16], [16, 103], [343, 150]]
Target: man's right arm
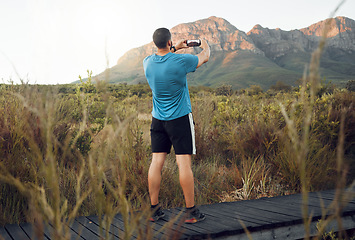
[[203, 56]]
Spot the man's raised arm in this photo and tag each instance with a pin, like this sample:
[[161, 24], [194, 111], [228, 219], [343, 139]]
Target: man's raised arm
[[203, 56]]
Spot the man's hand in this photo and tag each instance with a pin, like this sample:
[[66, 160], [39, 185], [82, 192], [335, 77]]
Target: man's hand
[[181, 44], [204, 44]]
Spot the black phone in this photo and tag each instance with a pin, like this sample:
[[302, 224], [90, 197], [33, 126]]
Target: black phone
[[193, 43]]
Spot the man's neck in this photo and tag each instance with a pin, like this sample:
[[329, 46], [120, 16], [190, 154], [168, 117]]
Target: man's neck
[[163, 51]]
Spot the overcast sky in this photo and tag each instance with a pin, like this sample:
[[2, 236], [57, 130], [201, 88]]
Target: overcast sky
[[55, 41]]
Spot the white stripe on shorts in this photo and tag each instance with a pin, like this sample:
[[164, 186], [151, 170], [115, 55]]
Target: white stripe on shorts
[[192, 127]]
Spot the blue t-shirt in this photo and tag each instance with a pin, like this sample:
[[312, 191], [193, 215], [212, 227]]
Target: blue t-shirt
[[166, 76]]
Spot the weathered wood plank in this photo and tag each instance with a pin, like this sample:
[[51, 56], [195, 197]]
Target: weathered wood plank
[[174, 225], [315, 203], [185, 229], [49, 231], [83, 231], [91, 226], [331, 193], [146, 228], [120, 224], [348, 207], [4, 234], [232, 226], [314, 209], [293, 208], [166, 228], [113, 229], [28, 229], [233, 221], [330, 197], [16, 232], [238, 214], [208, 225], [291, 232], [270, 217]]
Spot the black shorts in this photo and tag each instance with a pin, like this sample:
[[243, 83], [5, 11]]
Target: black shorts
[[179, 133]]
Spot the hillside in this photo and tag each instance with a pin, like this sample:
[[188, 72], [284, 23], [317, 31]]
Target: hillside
[[262, 56]]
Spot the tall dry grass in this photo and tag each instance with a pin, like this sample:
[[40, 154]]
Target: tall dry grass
[[85, 150]]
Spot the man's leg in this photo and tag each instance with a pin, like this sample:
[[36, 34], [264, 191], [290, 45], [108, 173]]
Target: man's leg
[[186, 178], [154, 176]]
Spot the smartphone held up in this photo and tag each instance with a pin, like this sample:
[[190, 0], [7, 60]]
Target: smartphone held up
[[193, 43]]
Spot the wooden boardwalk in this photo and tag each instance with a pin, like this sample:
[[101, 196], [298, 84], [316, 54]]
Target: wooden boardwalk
[[265, 218]]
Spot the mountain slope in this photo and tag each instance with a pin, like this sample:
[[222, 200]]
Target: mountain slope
[[262, 56]]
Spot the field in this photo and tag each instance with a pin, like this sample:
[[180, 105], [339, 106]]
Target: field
[[84, 149]]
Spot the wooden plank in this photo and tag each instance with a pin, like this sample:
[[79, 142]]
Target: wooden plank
[[28, 229], [239, 214], [296, 205], [207, 225], [232, 225], [82, 231], [329, 196], [348, 209], [317, 201], [333, 192], [293, 212], [16, 232], [314, 204], [50, 231], [165, 228], [315, 198], [297, 200], [146, 228], [231, 218], [4, 234], [188, 230], [314, 208], [179, 228], [214, 226], [292, 208], [270, 217], [92, 227], [113, 229], [328, 199], [119, 223], [174, 225], [292, 232], [142, 226]]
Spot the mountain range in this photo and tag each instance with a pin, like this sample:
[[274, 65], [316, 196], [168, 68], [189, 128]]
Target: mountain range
[[262, 56]]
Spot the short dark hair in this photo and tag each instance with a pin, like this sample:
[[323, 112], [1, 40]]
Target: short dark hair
[[161, 37]]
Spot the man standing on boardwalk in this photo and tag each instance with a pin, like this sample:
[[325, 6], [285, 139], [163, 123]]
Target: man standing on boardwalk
[[172, 123]]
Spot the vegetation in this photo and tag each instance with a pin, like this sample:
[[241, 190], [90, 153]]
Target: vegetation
[[85, 149]]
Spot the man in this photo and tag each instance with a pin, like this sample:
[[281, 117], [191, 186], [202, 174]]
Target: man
[[172, 123]]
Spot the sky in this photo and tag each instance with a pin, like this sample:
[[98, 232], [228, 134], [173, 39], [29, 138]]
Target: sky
[[55, 41]]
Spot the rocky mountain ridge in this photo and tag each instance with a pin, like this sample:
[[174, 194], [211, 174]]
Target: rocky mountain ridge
[[262, 56]]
